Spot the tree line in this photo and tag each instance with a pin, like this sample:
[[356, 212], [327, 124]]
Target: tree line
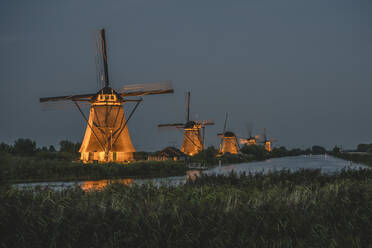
[[27, 148]]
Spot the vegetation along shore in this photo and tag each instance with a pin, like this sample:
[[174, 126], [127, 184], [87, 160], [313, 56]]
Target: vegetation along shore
[[24, 162], [282, 209]]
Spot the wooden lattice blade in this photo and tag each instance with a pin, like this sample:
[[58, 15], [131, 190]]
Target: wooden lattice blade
[[164, 87], [56, 105], [83, 97], [172, 125]]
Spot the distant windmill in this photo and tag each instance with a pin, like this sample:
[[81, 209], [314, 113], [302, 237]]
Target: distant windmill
[[250, 140], [193, 137], [106, 137], [228, 142], [267, 142]]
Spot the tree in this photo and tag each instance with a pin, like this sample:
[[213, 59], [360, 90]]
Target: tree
[[69, 147], [336, 150], [318, 150], [51, 149], [24, 147], [258, 151], [6, 148], [363, 147], [208, 155], [279, 151]]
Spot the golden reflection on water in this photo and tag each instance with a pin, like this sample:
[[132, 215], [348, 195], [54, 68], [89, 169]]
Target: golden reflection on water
[[192, 174], [100, 184]]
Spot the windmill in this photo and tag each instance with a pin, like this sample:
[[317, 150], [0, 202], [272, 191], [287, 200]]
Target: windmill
[[193, 137], [228, 142], [251, 140], [107, 137], [267, 142]]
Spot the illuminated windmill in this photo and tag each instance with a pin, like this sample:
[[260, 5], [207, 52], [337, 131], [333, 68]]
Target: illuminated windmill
[[193, 132], [106, 137], [251, 140], [267, 142], [228, 142]]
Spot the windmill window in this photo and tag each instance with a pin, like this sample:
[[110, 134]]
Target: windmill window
[[112, 97], [106, 97]]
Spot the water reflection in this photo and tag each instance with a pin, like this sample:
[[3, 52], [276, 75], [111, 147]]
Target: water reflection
[[100, 184], [192, 174]]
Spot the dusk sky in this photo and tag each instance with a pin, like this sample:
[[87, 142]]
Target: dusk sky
[[302, 69]]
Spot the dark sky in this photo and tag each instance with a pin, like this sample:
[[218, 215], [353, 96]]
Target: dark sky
[[302, 69]]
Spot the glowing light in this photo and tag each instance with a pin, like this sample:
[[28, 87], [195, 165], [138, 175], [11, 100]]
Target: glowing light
[[100, 184]]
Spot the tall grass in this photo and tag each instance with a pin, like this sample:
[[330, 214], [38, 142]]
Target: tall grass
[[281, 209]]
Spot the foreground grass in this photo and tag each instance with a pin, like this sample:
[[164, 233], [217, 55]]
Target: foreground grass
[[21, 169], [282, 209]]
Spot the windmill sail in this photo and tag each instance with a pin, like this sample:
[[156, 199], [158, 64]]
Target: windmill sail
[[162, 87]]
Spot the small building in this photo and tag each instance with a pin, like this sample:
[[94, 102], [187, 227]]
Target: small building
[[169, 153]]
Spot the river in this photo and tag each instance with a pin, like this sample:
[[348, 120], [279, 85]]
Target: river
[[327, 164]]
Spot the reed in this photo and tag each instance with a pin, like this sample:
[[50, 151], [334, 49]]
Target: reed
[[281, 209]]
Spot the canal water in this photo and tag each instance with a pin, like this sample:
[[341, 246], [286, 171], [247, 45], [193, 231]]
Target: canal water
[[325, 163]]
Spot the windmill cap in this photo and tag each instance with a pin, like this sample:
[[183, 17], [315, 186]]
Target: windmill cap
[[229, 134], [190, 124]]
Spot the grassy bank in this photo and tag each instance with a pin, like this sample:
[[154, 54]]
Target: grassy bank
[[362, 158], [302, 209], [13, 168]]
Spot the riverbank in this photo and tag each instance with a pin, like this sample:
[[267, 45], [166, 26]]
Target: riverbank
[[361, 158], [277, 209], [27, 169], [19, 169]]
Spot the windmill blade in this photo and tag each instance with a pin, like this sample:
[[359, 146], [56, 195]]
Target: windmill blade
[[249, 128], [101, 59], [59, 105], [64, 102], [172, 125], [205, 123], [164, 87], [188, 106], [84, 97], [224, 126]]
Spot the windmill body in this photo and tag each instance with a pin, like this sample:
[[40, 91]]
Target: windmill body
[[192, 138], [193, 132], [228, 142], [268, 145], [107, 137], [106, 120], [267, 142]]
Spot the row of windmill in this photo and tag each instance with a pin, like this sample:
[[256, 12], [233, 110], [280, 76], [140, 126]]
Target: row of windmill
[[107, 137], [194, 136]]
